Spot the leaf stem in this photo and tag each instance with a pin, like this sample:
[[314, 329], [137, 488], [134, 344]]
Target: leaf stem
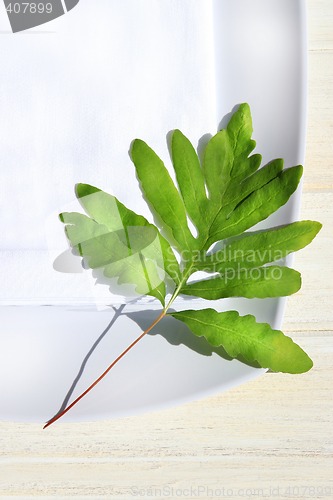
[[62, 413], [176, 292]]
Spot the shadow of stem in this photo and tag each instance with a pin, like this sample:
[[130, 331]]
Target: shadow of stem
[[118, 313], [174, 332]]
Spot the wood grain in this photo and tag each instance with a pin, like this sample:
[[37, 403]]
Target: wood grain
[[271, 438]]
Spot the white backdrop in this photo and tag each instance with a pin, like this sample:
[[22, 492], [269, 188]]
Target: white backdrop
[[74, 93]]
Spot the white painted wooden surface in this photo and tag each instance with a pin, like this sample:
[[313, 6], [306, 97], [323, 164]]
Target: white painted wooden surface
[[271, 438]]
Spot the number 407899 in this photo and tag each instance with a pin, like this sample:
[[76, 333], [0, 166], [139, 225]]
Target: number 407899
[[29, 8]]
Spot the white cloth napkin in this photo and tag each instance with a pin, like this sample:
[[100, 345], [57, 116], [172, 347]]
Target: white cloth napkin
[[74, 94]]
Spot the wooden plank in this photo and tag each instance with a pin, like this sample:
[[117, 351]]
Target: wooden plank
[[318, 172], [311, 307], [320, 22]]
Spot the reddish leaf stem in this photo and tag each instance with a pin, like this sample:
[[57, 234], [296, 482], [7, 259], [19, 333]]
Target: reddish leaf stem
[[62, 413]]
